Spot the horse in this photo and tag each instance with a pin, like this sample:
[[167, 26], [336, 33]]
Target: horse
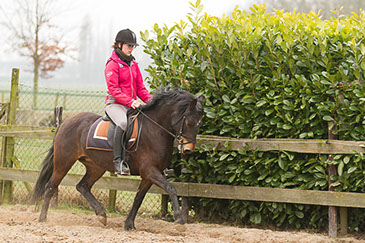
[[172, 114]]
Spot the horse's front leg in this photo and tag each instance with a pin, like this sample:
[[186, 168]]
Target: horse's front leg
[[159, 180], [143, 188]]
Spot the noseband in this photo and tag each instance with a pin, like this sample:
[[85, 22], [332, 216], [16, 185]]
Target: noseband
[[180, 136]]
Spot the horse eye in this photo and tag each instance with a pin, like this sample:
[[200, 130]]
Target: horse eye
[[193, 123]]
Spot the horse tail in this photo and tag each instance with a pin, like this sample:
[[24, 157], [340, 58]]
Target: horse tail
[[45, 174]]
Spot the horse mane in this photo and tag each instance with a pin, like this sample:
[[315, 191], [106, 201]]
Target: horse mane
[[162, 97]]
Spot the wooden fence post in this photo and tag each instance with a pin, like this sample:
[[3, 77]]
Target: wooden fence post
[[332, 211], [164, 205], [57, 116], [343, 221], [342, 210], [9, 142], [185, 200], [112, 197]]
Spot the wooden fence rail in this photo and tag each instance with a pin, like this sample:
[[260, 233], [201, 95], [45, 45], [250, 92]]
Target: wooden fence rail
[[309, 146], [324, 198]]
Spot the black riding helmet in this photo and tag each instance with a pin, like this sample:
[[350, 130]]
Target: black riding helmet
[[126, 36]]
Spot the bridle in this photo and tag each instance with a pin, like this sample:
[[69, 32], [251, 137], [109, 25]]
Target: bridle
[[180, 136]]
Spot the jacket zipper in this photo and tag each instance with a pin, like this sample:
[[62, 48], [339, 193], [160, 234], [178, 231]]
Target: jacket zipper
[[130, 71]]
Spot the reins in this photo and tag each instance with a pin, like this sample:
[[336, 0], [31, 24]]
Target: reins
[[179, 137], [160, 126]]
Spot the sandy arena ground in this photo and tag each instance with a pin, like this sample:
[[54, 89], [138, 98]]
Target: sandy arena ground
[[19, 224]]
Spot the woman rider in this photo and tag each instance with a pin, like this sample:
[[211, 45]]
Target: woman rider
[[125, 84]]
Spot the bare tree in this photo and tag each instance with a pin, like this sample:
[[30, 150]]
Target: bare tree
[[34, 36]]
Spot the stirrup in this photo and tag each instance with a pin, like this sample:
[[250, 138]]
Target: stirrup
[[124, 168], [168, 172], [121, 167]]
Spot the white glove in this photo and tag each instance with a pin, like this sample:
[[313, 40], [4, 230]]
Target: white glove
[[135, 104]]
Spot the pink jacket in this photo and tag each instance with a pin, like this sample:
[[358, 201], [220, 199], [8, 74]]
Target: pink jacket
[[124, 83]]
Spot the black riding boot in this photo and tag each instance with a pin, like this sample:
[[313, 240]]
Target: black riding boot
[[120, 166]]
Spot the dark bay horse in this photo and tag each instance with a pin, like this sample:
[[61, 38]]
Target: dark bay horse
[[171, 114]]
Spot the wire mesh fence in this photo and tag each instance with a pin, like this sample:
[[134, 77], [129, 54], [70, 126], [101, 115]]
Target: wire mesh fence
[[37, 109]]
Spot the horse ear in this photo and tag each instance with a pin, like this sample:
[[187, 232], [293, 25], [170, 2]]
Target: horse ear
[[195, 101]]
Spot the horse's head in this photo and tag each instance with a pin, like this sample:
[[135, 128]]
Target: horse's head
[[188, 126], [181, 116]]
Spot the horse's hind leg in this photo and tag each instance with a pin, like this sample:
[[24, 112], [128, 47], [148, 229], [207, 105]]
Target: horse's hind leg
[[144, 186], [84, 187], [51, 190]]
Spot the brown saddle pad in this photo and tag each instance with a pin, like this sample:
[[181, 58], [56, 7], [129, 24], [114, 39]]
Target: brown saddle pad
[[97, 137]]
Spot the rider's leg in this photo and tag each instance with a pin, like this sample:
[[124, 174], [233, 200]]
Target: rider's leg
[[118, 114], [120, 166]]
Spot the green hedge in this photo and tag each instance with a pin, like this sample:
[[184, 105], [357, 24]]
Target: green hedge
[[268, 75]]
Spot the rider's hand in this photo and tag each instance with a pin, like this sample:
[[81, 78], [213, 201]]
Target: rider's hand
[[135, 104]]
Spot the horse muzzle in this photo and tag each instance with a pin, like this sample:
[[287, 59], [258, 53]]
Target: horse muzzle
[[185, 146]]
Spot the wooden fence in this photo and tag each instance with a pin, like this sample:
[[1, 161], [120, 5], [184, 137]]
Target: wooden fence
[[324, 198]]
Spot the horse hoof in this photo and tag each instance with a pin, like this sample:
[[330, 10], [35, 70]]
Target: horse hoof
[[180, 221], [42, 219], [102, 219], [185, 219], [180, 228], [129, 227]]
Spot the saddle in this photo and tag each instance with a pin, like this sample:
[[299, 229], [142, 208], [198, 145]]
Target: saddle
[[101, 133]]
